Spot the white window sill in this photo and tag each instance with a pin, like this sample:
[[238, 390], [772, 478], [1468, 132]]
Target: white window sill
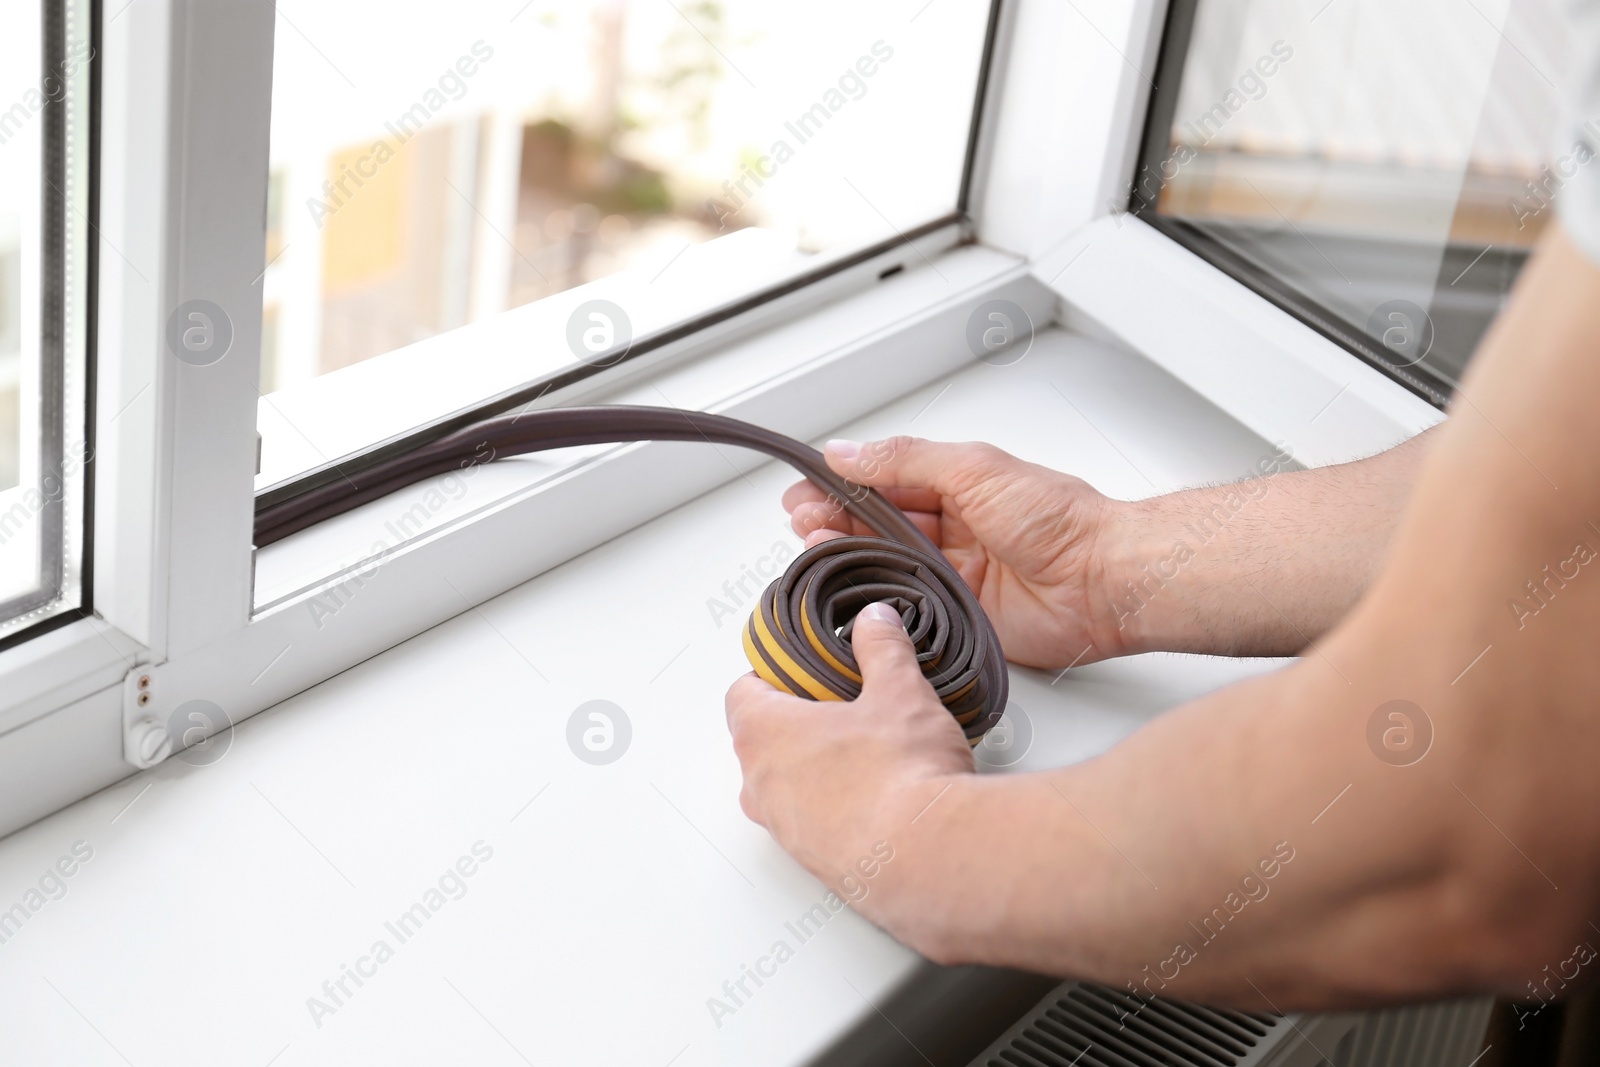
[[617, 901], [65, 712]]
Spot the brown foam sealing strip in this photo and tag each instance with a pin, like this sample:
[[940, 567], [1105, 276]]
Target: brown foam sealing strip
[[798, 638]]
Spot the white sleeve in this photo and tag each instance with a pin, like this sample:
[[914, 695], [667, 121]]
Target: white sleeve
[[1578, 168]]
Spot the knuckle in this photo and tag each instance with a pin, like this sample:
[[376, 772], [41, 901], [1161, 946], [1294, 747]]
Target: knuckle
[[977, 468], [880, 455], [892, 447], [902, 680], [747, 804], [745, 688], [741, 740], [739, 707], [817, 515], [805, 490], [978, 460]]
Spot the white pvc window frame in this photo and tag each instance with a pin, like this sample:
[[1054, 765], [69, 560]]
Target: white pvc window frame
[[186, 95]]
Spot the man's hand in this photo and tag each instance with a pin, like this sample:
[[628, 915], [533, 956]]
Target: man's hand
[[830, 778], [1268, 846], [1069, 576], [1023, 537]]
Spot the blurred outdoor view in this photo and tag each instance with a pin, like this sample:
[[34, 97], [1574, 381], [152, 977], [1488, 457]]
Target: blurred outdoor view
[[20, 103], [36, 570], [1376, 156], [10, 339], [434, 165]]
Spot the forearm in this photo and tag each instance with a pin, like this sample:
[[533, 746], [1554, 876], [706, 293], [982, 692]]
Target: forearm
[[1073, 872], [1218, 852], [1260, 567], [1431, 767]]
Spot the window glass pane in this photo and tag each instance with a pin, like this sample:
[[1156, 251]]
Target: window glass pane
[[475, 158], [43, 215], [1370, 160]]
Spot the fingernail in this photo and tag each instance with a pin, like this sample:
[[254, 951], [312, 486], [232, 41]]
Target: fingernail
[[882, 612], [844, 449]]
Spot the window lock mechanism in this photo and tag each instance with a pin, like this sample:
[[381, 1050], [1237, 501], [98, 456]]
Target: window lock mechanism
[[145, 738]]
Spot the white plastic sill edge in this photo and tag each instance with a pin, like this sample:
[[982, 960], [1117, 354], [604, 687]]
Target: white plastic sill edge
[[1255, 361]]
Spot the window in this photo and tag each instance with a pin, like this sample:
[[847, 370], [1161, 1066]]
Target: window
[[1376, 169], [44, 209], [750, 275], [838, 285], [585, 176]]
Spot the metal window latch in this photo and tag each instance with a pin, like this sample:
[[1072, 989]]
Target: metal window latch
[[145, 738]]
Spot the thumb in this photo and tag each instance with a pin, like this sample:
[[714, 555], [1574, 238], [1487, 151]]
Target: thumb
[[913, 463], [883, 650]]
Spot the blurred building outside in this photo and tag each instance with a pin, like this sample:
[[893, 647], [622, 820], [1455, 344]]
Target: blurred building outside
[[577, 141]]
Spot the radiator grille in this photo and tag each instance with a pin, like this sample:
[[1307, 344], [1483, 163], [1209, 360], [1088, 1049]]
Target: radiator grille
[[1081, 1024], [1090, 1025], [1434, 1035]]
